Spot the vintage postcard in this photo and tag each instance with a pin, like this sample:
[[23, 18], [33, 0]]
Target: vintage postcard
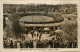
[[39, 25]]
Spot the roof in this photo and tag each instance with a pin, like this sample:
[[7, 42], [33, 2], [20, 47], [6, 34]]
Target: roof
[[53, 24]]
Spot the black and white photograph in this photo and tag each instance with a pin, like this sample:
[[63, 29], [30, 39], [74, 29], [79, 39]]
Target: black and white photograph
[[40, 26]]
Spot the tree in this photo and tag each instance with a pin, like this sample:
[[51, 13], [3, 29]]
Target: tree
[[17, 29], [71, 31]]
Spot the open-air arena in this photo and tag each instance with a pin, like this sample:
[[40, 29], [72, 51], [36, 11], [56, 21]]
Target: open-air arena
[[40, 26]]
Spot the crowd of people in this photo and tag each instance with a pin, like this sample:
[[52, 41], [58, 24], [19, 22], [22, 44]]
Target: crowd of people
[[40, 39], [39, 44]]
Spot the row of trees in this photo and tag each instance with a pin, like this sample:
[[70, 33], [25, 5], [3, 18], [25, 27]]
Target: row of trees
[[66, 8]]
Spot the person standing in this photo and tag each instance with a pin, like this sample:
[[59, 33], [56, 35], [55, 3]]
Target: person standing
[[32, 33], [15, 44], [18, 44], [34, 44], [31, 44], [11, 44], [21, 46], [26, 44], [51, 44], [5, 44], [38, 44]]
